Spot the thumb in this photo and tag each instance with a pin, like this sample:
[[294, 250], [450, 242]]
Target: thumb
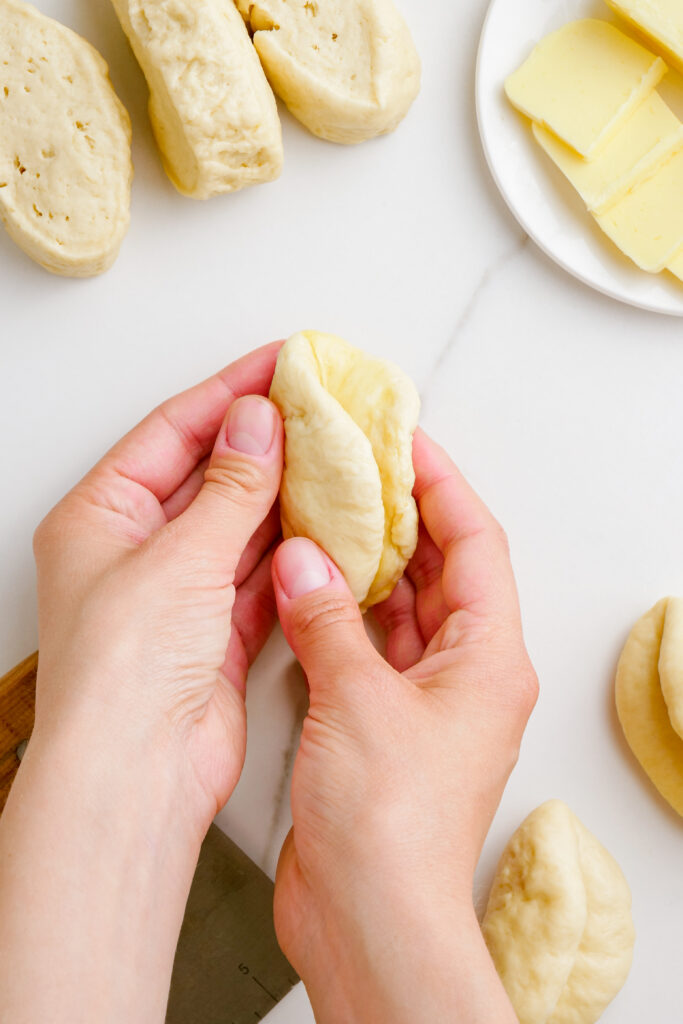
[[240, 484], [318, 613]]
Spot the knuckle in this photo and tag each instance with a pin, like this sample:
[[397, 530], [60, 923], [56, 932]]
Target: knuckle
[[501, 537], [526, 689], [322, 613], [42, 536], [50, 531], [240, 480]]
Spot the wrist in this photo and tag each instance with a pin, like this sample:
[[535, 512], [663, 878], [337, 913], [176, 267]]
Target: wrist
[[97, 843], [121, 759], [425, 967]]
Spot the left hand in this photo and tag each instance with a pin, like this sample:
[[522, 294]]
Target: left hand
[[154, 583]]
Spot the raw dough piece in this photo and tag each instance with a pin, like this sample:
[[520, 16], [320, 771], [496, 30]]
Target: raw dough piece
[[671, 662], [642, 709], [347, 69], [605, 952], [537, 912], [212, 111], [558, 922], [641, 706], [348, 477], [583, 82], [647, 140], [65, 165]]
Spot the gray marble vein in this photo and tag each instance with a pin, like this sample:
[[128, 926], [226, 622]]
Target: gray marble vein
[[489, 274]]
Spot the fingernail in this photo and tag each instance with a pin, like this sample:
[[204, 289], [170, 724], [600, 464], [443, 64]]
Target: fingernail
[[251, 425], [301, 568]]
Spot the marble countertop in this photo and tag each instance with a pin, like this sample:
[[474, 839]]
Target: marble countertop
[[563, 407]]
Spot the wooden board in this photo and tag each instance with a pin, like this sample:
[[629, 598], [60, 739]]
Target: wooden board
[[17, 711]]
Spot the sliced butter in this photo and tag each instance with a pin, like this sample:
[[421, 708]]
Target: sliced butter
[[583, 81], [647, 224], [676, 266], [649, 137], [662, 20]]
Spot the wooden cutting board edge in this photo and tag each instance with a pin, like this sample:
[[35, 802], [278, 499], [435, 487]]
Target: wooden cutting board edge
[[17, 712]]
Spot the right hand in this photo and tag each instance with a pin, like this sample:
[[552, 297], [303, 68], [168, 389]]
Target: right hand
[[402, 766]]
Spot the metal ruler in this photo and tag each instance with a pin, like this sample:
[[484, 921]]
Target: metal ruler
[[228, 967]]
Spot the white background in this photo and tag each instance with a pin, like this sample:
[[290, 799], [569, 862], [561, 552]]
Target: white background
[[563, 407]]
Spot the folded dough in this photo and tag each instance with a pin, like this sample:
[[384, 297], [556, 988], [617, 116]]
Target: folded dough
[[65, 164], [649, 696], [348, 477], [558, 922], [347, 69], [212, 111]]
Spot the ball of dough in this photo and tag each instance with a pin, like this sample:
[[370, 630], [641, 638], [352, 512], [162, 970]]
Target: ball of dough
[[347, 69], [558, 921], [348, 477], [65, 163], [649, 696]]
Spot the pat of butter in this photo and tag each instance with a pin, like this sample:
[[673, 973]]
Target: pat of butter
[[583, 81], [662, 20], [676, 266], [647, 224], [649, 137]]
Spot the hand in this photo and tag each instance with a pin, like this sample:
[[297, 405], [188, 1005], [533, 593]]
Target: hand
[[155, 594], [401, 766], [145, 566]]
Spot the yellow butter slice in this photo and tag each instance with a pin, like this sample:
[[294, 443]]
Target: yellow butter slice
[[649, 137], [661, 20], [647, 224], [676, 266], [583, 81]]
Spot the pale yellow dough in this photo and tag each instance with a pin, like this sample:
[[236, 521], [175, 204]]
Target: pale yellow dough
[[605, 953], [558, 921], [212, 111], [347, 69], [671, 662], [652, 659], [65, 163], [348, 478], [583, 82]]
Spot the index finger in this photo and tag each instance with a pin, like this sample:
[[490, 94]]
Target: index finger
[[477, 572], [161, 451]]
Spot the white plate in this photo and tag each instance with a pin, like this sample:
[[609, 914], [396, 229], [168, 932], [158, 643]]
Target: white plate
[[542, 200]]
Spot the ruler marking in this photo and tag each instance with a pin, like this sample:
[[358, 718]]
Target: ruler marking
[[260, 985]]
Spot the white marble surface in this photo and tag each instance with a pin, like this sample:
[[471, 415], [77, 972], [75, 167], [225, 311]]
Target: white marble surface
[[563, 407]]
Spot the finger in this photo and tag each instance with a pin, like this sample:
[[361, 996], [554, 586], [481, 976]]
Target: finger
[[258, 544], [253, 617], [425, 570], [239, 489], [161, 452], [181, 499], [398, 618], [477, 574], [319, 616]]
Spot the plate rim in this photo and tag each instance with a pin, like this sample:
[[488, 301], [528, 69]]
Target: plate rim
[[520, 216]]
